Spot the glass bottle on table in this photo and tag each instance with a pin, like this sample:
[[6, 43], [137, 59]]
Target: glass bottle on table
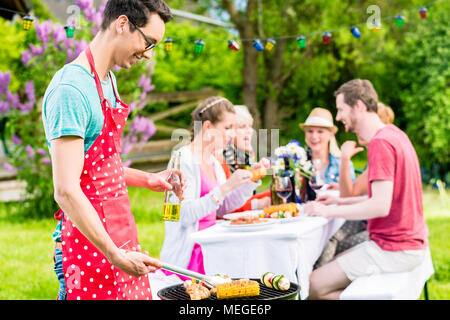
[[274, 198], [290, 174], [171, 207]]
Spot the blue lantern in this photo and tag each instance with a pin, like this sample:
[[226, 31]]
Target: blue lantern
[[258, 45], [355, 32]]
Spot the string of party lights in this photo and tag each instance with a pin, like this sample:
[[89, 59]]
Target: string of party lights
[[261, 44], [269, 43]]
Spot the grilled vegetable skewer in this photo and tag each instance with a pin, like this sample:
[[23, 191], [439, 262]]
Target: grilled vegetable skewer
[[277, 282]]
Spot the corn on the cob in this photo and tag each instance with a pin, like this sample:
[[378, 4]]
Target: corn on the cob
[[291, 207], [238, 288]]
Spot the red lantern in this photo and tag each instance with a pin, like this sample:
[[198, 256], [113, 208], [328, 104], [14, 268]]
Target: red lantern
[[233, 45], [326, 36], [423, 12]]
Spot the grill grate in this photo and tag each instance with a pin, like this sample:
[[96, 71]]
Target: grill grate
[[177, 292]]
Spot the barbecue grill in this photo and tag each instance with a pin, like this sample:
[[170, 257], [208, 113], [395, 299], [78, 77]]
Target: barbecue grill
[[178, 292]]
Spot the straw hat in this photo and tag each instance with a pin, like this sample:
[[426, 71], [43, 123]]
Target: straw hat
[[319, 117]]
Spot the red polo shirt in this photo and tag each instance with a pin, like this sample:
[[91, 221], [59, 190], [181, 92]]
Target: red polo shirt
[[392, 157]]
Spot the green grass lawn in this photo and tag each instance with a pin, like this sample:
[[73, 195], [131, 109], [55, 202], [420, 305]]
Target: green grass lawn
[[26, 248]]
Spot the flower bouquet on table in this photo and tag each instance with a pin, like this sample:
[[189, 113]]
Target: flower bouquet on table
[[292, 160]]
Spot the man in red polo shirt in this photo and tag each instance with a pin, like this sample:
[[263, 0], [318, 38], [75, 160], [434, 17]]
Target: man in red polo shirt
[[397, 229]]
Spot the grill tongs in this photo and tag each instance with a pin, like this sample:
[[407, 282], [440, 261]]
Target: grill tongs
[[210, 281]]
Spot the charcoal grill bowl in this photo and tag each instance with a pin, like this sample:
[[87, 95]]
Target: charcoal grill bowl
[[178, 292]]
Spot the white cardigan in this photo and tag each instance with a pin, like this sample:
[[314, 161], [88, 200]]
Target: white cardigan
[[178, 246]]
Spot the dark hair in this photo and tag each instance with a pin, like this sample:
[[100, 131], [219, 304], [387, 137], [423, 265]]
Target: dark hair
[[212, 110], [138, 11], [359, 89]]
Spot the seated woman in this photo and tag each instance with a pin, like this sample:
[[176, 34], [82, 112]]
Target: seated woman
[[207, 192], [322, 146], [239, 154]]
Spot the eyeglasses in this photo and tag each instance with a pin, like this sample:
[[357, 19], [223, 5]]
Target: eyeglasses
[[150, 43]]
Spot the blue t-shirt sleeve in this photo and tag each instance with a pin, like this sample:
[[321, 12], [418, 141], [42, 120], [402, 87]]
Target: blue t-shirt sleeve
[[67, 113], [352, 172]]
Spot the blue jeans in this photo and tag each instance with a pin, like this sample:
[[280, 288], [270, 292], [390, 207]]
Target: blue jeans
[[62, 294]]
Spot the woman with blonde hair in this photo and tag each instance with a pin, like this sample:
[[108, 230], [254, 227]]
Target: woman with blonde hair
[[239, 153], [208, 192], [322, 146]]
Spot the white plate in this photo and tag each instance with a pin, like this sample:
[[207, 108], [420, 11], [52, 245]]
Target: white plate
[[249, 227], [253, 213], [293, 219]]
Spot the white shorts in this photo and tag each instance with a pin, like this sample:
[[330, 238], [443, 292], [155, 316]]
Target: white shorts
[[368, 258]]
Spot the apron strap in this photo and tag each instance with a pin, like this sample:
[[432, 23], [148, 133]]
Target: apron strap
[[104, 102]]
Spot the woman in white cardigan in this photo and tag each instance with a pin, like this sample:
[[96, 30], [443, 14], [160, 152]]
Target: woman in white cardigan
[[207, 192]]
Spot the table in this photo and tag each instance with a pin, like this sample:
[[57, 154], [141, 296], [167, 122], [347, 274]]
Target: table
[[290, 249]]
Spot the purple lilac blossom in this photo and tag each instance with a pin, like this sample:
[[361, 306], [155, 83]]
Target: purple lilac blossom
[[79, 47], [30, 151], [43, 31], [29, 91], [16, 140], [4, 107], [41, 152], [59, 35], [5, 78], [84, 4], [36, 50], [9, 167], [26, 57], [46, 161], [12, 99]]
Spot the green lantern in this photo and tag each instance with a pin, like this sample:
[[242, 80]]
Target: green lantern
[[27, 22], [399, 20], [301, 41], [69, 30], [199, 44]]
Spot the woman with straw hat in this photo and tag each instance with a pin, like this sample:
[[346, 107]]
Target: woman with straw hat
[[322, 146]]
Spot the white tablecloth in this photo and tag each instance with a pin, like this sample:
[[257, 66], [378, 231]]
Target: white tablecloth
[[290, 249]]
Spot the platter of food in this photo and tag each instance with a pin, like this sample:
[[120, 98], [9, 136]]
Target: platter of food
[[284, 213], [248, 223], [253, 213]]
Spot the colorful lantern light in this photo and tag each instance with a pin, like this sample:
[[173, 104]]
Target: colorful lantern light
[[355, 32], [27, 22], [301, 41], [257, 45], [376, 26], [423, 12], [270, 44], [233, 45], [69, 30], [199, 44], [399, 20], [168, 44], [326, 36]]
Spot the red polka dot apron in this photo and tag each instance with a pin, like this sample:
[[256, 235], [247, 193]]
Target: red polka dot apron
[[87, 272]]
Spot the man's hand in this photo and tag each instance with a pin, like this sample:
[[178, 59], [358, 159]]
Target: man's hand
[[167, 180], [135, 263], [349, 149]]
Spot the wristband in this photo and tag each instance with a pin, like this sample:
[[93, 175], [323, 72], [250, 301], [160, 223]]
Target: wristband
[[215, 199]]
